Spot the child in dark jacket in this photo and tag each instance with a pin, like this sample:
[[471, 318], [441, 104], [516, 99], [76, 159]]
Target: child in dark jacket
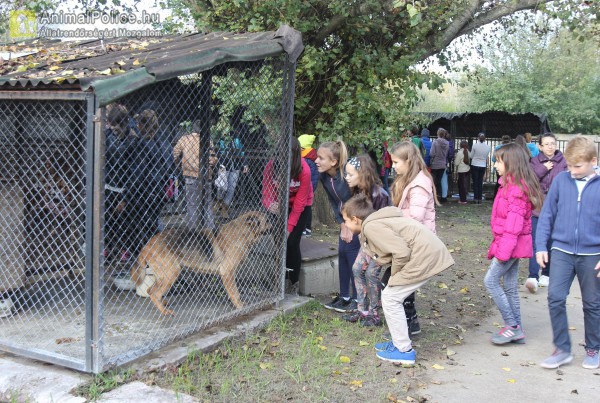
[[415, 254], [331, 161], [569, 221], [361, 176], [519, 194]]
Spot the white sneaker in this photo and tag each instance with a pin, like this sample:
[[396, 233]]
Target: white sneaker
[[532, 285], [544, 281]]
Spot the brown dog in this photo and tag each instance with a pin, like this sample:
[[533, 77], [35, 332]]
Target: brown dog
[[170, 251]]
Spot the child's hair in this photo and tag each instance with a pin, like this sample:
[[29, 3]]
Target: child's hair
[[528, 137], [464, 144], [408, 151], [296, 159], [518, 172], [118, 118], [543, 136], [520, 141], [367, 174], [339, 151], [441, 133], [358, 206], [506, 139], [580, 149]]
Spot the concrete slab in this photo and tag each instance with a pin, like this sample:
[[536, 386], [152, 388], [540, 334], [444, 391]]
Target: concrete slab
[[312, 250], [481, 371], [38, 382], [140, 392], [319, 271]]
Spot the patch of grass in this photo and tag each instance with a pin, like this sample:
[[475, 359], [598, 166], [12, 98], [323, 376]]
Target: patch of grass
[[104, 382], [14, 396]]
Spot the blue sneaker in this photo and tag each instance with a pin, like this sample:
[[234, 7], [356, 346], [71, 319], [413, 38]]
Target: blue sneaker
[[396, 356], [383, 345]]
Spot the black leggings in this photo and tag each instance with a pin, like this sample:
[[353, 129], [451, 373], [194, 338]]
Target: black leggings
[[293, 258], [410, 310]]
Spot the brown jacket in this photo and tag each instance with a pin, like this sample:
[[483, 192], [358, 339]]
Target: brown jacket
[[414, 252], [187, 151]]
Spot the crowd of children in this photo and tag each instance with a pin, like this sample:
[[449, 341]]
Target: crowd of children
[[396, 232]]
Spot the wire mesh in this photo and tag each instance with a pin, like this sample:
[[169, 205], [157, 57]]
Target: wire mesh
[[42, 216], [184, 239]]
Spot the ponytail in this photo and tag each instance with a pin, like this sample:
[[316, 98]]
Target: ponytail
[[339, 151]]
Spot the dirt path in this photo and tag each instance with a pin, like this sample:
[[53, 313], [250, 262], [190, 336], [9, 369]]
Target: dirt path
[[481, 371]]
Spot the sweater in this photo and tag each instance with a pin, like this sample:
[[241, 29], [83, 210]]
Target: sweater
[[300, 192], [337, 191], [479, 154], [439, 153], [511, 223], [459, 161], [569, 221]]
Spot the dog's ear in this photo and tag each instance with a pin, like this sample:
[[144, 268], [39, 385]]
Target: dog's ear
[[253, 220]]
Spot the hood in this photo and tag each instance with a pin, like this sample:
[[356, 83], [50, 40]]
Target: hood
[[425, 133], [309, 153], [443, 144]]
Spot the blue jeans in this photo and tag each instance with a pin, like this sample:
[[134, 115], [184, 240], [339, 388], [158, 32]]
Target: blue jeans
[[232, 180], [507, 298], [445, 184], [564, 269], [347, 253], [197, 207], [534, 268]]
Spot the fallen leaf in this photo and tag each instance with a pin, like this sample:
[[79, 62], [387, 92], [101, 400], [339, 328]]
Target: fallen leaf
[[136, 62], [506, 369], [53, 68], [464, 290], [322, 347], [357, 383], [265, 365], [106, 72], [511, 380], [437, 366], [344, 359], [443, 286], [363, 343], [393, 380], [450, 250], [319, 338], [574, 391], [504, 353], [436, 382], [450, 353]]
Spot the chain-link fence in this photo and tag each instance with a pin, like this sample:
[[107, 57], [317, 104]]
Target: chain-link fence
[[127, 227]]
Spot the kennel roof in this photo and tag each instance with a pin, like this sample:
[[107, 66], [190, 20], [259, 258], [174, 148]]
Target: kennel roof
[[118, 66]]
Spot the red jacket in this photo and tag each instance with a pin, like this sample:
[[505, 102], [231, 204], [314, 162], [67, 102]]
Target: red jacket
[[300, 192], [511, 223]]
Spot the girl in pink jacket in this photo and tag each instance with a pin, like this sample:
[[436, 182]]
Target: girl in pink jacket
[[519, 194], [414, 193]]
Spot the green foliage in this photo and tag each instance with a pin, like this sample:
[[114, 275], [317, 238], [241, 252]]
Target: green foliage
[[556, 74]]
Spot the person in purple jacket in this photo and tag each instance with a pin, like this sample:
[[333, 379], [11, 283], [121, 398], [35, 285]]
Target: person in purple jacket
[[546, 165]]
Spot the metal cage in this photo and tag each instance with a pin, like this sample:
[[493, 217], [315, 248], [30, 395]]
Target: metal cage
[[108, 211]]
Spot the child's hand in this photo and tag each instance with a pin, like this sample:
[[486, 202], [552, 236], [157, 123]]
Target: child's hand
[[542, 259], [345, 233], [598, 268]]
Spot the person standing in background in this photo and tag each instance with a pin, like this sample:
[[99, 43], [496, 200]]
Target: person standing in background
[[533, 148], [479, 158], [310, 156], [462, 165], [439, 159]]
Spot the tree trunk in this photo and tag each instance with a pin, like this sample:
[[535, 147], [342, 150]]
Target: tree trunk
[[322, 213]]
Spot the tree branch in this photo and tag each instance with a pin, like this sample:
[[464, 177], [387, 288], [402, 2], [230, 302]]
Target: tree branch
[[336, 22]]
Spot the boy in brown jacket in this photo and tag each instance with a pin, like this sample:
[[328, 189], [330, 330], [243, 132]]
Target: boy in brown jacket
[[415, 254]]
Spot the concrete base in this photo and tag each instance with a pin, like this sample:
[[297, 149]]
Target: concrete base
[[319, 272]]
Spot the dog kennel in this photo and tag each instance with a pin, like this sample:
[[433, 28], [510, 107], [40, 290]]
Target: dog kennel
[[117, 153]]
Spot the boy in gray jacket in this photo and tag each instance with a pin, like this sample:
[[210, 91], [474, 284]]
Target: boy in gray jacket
[[415, 255]]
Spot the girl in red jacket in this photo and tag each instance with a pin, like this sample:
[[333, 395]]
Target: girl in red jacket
[[519, 194], [300, 196]]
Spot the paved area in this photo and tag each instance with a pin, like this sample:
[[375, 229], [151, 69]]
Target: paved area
[[480, 371], [22, 379]]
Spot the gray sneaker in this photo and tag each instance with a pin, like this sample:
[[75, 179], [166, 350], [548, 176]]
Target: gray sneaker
[[508, 334], [557, 359], [591, 360]]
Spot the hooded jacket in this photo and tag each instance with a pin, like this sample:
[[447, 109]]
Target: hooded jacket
[[337, 191], [544, 175], [413, 251], [426, 144], [511, 223], [439, 153], [417, 201]]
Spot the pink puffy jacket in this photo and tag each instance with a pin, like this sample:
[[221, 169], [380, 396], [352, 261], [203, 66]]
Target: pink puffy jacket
[[417, 201], [511, 224]]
